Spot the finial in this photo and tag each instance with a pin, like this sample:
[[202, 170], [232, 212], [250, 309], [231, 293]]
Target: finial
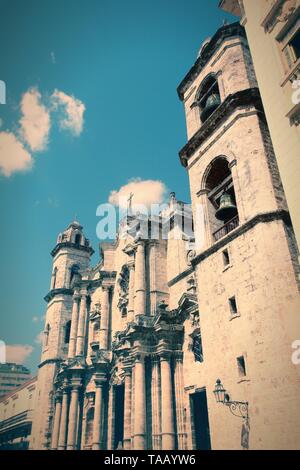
[[129, 200]]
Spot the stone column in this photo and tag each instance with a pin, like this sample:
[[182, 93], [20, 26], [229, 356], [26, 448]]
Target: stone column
[[152, 275], [81, 325], [98, 414], [202, 224], [74, 325], [73, 416], [167, 415], [56, 424], [139, 404], [140, 279], [104, 321], [179, 394], [130, 310], [156, 405], [111, 418], [127, 409], [64, 420]]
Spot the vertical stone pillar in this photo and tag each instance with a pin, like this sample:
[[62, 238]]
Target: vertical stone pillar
[[237, 190], [130, 310], [111, 418], [139, 404], [73, 416], [156, 404], [56, 424], [98, 414], [202, 226], [140, 279], [179, 394], [74, 325], [132, 406], [104, 322], [152, 276], [81, 325], [127, 409], [64, 420], [167, 415]]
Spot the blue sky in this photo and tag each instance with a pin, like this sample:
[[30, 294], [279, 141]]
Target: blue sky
[[123, 62]]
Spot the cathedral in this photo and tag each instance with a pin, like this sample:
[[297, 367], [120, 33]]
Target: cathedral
[[183, 340]]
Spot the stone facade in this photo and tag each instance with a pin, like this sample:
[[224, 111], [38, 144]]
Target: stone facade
[[134, 345]]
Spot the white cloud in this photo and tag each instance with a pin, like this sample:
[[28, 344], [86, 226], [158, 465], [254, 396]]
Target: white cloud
[[35, 121], [145, 192], [18, 353], [39, 338], [73, 111], [13, 156], [35, 319]]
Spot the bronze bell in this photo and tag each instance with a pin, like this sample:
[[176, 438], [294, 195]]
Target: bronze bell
[[212, 103], [227, 209]]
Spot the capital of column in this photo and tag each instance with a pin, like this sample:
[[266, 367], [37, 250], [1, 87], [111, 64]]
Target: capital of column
[[76, 383], [58, 396], [202, 192], [139, 357], [178, 356], [99, 379], [107, 286], [83, 293], [76, 296], [165, 356], [131, 265]]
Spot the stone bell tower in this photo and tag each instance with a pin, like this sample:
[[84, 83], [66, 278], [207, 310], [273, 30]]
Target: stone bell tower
[[245, 260], [71, 258]]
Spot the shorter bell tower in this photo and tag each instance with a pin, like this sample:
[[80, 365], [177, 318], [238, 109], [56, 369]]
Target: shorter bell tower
[[71, 258]]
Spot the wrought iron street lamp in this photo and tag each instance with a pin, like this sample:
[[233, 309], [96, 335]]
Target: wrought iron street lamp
[[237, 408]]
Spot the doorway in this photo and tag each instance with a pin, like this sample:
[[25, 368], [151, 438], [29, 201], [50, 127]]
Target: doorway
[[200, 422]]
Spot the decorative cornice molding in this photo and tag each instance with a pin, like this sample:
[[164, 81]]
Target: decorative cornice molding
[[244, 98], [74, 246], [55, 292], [260, 218]]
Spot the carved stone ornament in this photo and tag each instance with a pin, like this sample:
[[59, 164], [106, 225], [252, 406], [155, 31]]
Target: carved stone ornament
[[117, 377], [281, 14], [123, 283]]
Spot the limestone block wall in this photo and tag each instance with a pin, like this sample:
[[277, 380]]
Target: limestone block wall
[[262, 279]]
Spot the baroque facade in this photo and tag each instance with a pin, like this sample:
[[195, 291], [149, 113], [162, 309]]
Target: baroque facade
[[134, 345]]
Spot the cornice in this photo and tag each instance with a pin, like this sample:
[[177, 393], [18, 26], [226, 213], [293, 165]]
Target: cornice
[[55, 292], [74, 246], [242, 98], [260, 218]]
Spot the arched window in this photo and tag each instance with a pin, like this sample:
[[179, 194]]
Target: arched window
[[73, 272], [208, 97], [221, 200], [77, 239], [47, 334], [67, 331], [89, 428], [54, 277]]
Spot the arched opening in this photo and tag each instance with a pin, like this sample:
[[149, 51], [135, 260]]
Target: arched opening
[[74, 271], [77, 239], [67, 331], [208, 97], [89, 428], [221, 200]]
